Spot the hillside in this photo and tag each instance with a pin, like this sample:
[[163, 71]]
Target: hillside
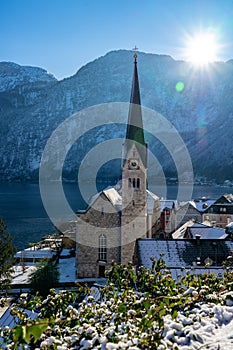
[[33, 103]]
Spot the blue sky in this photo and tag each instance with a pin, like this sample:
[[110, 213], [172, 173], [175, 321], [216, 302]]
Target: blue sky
[[63, 35]]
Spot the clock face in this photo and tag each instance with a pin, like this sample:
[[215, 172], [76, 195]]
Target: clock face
[[133, 164]]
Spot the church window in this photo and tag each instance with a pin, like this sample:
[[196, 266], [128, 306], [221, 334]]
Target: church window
[[130, 183], [102, 247], [134, 183], [138, 183], [133, 203]]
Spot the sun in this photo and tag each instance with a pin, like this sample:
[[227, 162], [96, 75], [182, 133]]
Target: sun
[[201, 49]]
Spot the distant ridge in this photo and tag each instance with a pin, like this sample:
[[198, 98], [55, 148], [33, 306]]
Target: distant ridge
[[33, 103]]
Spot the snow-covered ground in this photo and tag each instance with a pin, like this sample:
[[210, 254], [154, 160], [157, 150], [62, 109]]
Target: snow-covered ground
[[21, 274], [67, 269]]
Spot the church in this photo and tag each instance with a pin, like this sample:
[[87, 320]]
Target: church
[[118, 216]]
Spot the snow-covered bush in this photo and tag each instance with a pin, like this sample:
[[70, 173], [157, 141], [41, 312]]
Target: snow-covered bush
[[143, 310]]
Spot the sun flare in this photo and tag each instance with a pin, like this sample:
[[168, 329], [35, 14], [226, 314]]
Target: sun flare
[[201, 49]]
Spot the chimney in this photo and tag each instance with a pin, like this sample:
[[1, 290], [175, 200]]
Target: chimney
[[198, 237]]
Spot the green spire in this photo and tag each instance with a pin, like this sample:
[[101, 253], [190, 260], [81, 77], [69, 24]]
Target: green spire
[[134, 132]]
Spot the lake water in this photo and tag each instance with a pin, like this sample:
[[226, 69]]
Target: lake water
[[22, 209]]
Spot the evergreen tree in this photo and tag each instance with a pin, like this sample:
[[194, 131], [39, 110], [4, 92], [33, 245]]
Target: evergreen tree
[[44, 278], [6, 257]]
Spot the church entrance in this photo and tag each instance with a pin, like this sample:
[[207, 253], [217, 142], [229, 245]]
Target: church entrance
[[101, 271]]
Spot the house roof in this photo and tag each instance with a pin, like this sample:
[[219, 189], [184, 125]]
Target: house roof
[[201, 204], [7, 320], [203, 230], [207, 232], [29, 253], [167, 204], [179, 233], [183, 253], [226, 198]]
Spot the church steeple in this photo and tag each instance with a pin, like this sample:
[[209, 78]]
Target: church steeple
[[134, 131], [134, 177]]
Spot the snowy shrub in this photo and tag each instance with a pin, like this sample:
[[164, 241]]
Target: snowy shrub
[[143, 310]]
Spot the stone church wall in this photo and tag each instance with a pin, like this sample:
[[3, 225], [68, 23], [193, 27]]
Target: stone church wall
[[101, 218]]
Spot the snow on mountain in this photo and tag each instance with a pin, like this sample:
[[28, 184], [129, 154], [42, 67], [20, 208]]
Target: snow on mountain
[[12, 74], [33, 104]]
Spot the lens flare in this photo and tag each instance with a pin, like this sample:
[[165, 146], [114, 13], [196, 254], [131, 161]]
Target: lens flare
[[179, 86], [202, 49]]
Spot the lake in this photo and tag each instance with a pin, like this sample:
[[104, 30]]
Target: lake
[[22, 209]]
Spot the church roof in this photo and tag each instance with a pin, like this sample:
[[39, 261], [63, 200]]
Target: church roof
[[110, 193], [151, 198], [114, 197]]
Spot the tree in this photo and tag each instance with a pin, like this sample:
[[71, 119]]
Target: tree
[[44, 278], [6, 257]]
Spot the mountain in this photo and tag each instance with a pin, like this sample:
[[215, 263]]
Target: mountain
[[33, 104]]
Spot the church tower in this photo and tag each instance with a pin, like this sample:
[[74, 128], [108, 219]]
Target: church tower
[[134, 177]]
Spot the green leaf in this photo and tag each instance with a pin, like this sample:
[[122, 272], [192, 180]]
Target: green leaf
[[174, 314], [34, 330], [162, 312], [146, 304], [122, 308], [18, 333]]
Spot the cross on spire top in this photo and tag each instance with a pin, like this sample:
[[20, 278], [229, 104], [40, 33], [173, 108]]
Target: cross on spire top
[[135, 55]]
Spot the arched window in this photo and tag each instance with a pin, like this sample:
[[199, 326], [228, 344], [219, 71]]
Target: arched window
[[134, 183], [138, 183], [102, 247], [130, 183]]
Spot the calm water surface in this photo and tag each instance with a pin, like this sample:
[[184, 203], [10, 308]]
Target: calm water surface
[[22, 209]]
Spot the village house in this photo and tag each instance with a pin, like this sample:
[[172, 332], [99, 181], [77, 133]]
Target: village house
[[220, 212], [192, 210], [168, 217]]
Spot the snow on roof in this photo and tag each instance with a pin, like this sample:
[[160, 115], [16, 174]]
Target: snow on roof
[[229, 197], [113, 196], [206, 231], [151, 199], [21, 274], [167, 203], [230, 224], [30, 253], [65, 253], [179, 233], [201, 204], [7, 320], [182, 253]]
